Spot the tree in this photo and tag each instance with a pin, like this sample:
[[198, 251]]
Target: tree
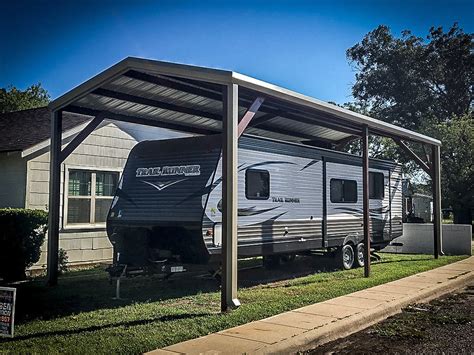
[[426, 85], [457, 165], [379, 147], [406, 81], [13, 99]]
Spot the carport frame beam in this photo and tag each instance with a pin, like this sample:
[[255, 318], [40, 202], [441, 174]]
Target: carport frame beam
[[436, 185], [433, 169], [91, 126], [365, 198], [230, 122], [54, 197]]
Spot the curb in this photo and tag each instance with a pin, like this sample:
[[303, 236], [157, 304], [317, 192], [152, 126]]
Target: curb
[[358, 322]]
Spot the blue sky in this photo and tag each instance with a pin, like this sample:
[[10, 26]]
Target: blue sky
[[296, 44]]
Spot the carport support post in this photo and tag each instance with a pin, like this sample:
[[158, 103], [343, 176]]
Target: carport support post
[[436, 184], [365, 198], [54, 197], [229, 197]]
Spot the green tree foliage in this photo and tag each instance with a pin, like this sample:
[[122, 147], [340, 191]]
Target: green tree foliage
[[409, 81], [13, 99], [379, 147], [426, 85], [457, 160]]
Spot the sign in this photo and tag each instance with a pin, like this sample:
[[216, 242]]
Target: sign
[[7, 311]]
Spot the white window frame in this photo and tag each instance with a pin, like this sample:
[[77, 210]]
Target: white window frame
[[92, 197]]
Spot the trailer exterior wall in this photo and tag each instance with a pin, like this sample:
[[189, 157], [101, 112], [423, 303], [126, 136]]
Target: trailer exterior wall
[[296, 172], [287, 219]]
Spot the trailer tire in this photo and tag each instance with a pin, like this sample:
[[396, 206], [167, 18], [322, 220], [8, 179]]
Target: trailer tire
[[359, 255], [288, 258], [271, 261], [345, 257]]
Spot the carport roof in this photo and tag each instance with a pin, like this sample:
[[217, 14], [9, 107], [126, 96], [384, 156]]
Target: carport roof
[[189, 98]]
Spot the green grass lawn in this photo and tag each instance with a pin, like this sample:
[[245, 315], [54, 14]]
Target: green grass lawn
[[80, 316]]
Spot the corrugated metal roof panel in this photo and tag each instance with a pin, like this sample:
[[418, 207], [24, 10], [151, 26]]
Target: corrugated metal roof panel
[[143, 111], [204, 95], [307, 129], [139, 88]]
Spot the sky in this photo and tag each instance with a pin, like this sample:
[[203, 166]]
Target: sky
[[299, 45]]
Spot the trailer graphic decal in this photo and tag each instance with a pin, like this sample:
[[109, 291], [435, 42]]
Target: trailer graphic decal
[[160, 186], [252, 211], [265, 163], [311, 163], [186, 170], [373, 212]]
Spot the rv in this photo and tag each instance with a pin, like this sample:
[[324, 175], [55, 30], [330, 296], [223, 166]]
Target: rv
[[292, 199]]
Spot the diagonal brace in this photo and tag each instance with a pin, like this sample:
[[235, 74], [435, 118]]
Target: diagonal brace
[[341, 144], [96, 121], [244, 122], [413, 155], [263, 119]]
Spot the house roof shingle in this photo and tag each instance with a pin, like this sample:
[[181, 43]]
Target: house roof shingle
[[22, 129]]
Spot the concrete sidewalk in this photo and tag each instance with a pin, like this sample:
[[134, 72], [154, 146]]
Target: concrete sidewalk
[[325, 321]]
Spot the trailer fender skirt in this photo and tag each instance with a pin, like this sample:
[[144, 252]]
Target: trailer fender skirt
[[353, 238]]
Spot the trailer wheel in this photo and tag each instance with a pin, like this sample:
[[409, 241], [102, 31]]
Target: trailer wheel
[[288, 258], [345, 257], [271, 261], [359, 255], [217, 275]]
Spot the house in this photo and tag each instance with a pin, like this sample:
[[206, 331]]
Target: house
[[417, 207], [89, 175], [422, 207]]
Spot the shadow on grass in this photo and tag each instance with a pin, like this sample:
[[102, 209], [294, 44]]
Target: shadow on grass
[[90, 290], [388, 261], [94, 328], [75, 294]]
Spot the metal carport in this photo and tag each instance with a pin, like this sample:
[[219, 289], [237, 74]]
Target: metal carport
[[208, 101]]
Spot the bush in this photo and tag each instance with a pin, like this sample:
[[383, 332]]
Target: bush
[[22, 233], [62, 261]]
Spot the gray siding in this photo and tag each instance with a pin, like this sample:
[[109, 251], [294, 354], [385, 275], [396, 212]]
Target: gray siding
[[292, 213], [107, 148], [347, 218], [300, 177], [12, 180]]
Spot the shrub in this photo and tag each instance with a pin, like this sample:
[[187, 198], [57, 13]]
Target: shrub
[[22, 233], [62, 261]]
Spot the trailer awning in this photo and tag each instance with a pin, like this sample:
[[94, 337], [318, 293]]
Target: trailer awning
[[189, 98]]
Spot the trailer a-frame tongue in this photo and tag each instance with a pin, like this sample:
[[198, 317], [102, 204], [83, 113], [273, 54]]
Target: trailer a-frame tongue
[[205, 101]]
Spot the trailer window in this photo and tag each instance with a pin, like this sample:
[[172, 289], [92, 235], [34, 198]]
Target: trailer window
[[257, 184], [376, 186], [343, 191], [90, 194]]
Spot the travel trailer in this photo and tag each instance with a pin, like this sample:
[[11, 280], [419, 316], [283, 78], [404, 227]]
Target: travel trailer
[[292, 199]]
